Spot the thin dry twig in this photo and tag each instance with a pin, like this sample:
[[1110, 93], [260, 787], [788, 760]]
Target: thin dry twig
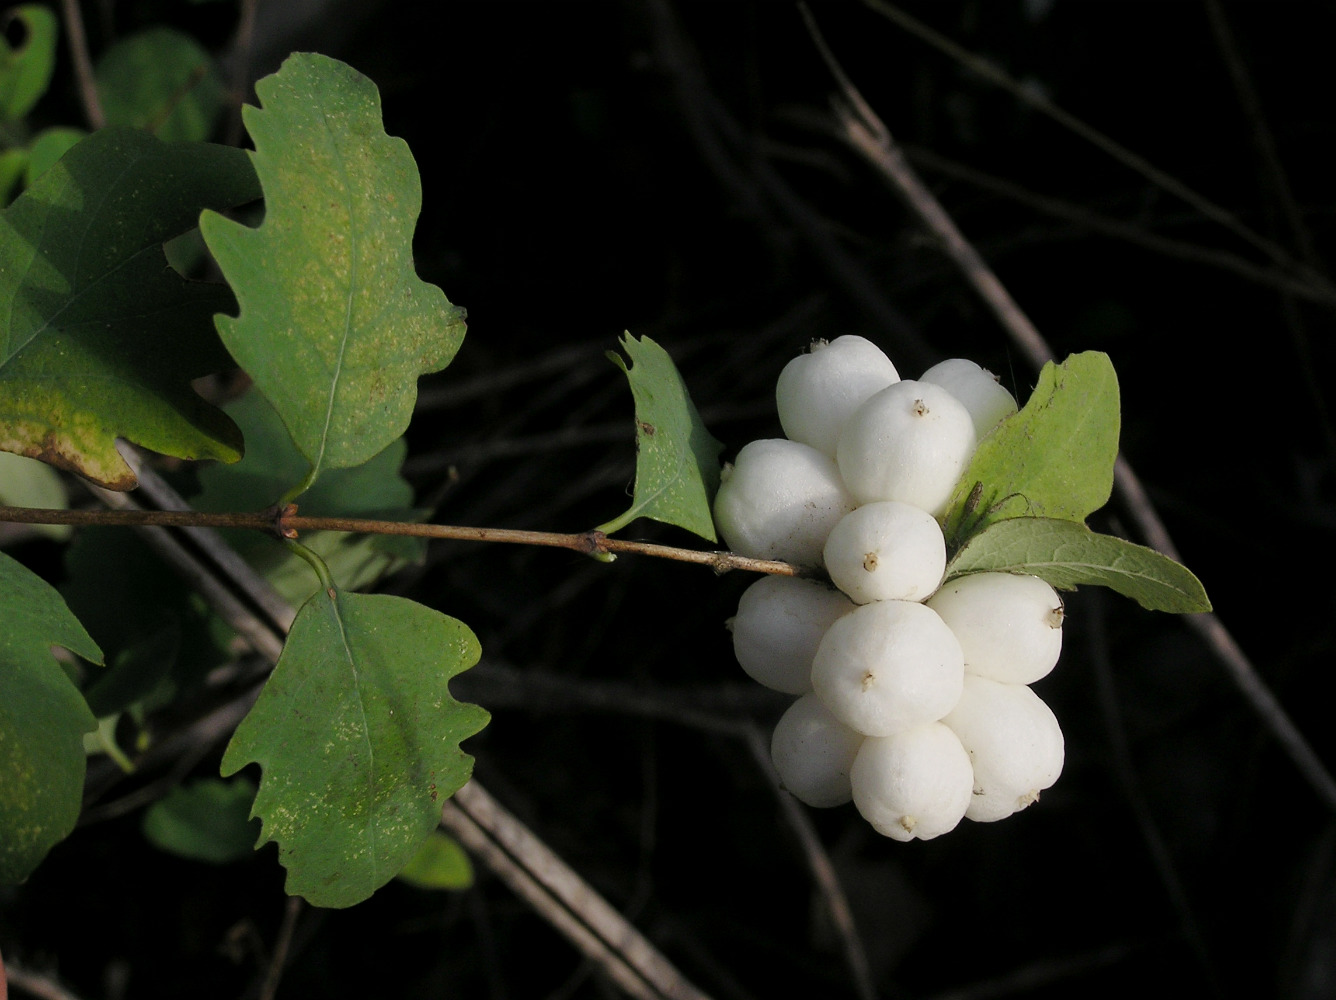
[[288, 524], [1273, 171], [1094, 222], [531, 868], [868, 134], [995, 75], [35, 983], [83, 64], [279, 958], [737, 160], [822, 868], [242, 44], [1120, 759]]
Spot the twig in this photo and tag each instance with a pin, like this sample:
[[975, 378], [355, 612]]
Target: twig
[[1194, 253], [274, 973], [37, 984], [1274, 173], [993, 74], [1120, 759], [868, 134], [83, 65], [242, 44], [1259, 132], [530, 868], [287, 525], [727, 148], [823, 871]]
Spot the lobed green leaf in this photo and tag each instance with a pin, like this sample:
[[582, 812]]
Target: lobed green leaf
[[677, 459], [99, 338], [1052, 459], [335, 325], [358, 738], [1067, 554], [42, 721]]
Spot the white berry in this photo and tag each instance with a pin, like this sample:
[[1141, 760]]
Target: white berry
[[777, 629], [979, 389], [1014, 744], [886, 551], [818, 391], [1009, 626], [914, 785], [779, 501], [909, 442], [813, 753], [888, 666]]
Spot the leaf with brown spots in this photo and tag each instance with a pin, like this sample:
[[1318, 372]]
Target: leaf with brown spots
[[358, 737], [335, 325], [99, 338]]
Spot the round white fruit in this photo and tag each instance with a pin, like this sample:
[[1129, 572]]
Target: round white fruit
[[984, 396], [1009, 626], [818, 391], [886, 551], [909, 442], [813, 753], [1014, 743], [779, 500], [888, 666], [914, 785], [779, 624]]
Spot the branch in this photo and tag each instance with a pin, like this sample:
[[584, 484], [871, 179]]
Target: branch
[[990, 72], [286, 523], [569, 903], [83, 65]]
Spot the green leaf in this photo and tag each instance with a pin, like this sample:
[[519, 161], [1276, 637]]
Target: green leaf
[[90, 299], [47, 149], [25, 72], [677, 459], [439, 864], [206, 820], [335, 325], [26, 482], [13, 168], [358, 737], [42, 721], [271, 466], [1052, 459], [1067, 554], [163, 81]]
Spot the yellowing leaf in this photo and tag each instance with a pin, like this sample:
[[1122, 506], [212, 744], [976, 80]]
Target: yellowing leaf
[[335, 325], [99, 338], [358, 738]]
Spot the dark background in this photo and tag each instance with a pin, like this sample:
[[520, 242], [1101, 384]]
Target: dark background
[[669, 168]]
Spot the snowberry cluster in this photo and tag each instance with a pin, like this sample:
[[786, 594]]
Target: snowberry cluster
[[913, 697]]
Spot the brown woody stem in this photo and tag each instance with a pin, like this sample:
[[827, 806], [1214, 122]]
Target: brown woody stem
[[285, 522]]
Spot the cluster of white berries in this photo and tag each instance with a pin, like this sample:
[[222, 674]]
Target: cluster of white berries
[[913, 695]]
